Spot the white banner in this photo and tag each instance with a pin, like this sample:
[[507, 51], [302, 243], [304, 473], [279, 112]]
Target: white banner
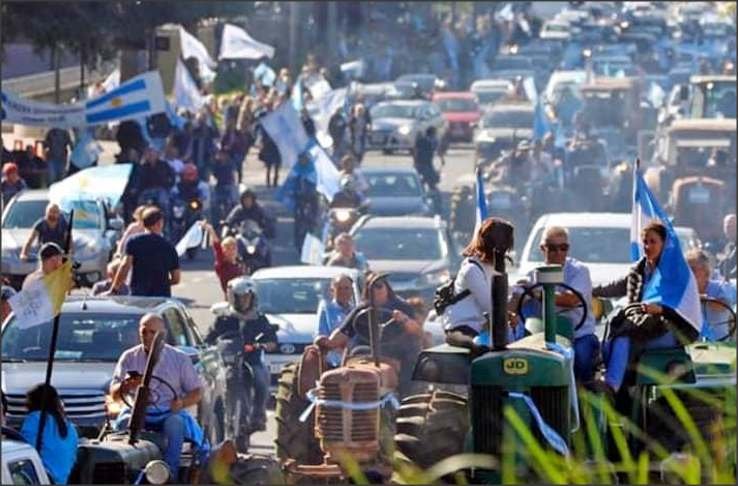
[[287, 132], [191, 239], [312, 250], [138, 97], [237, 44]]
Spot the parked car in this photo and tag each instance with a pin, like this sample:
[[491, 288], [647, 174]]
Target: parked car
[[396, 192], [461, 112], [415, 251], [95, 234], [556, 30], [490, 91], [93, 333], [21, 463], [289, 296], [502, 127], [396, 124], [599, 240]]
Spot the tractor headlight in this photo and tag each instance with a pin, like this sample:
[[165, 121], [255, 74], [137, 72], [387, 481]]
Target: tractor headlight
[[404, 130], [157, 472], [251, 249]]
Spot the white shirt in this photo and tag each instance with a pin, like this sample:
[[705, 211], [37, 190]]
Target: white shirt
[[470, 310]]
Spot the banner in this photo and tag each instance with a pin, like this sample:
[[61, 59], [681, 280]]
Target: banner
[[138, 97], [237, 44], [106, 182], [287, 132]]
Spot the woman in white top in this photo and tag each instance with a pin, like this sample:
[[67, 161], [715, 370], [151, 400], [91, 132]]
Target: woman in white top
[[465, 319]]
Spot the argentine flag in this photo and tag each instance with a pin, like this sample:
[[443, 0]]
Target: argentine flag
[[672, 284], [140, 96], [481, 200], [541, 125]]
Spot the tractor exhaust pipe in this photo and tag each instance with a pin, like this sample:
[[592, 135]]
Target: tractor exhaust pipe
[[500, 237]]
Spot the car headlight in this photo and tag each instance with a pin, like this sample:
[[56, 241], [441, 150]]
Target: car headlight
[[436, 278], [343, 215], [404, 130]]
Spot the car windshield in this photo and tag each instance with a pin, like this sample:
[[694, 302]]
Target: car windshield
[[24, 214], [599, 245], [508, 119], [291, 296], [511, 63], [426, 83], [400, 243], [393, 111], [456, 104], [85, 336], [489, 97], [720, 100], [393, 185]]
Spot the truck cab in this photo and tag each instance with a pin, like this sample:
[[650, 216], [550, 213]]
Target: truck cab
[[21, 463]]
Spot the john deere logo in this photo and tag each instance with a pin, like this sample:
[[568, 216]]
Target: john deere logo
[[515, 366]]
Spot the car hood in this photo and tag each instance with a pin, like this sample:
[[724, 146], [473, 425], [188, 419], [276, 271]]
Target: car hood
[[391, 123], [14, 239], [600, 273], [396, 206], [488, 134], [295, 328], [17, 378], [406, 266], [458, 116]]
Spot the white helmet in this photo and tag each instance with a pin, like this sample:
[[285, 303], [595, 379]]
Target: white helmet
[[241, 294]]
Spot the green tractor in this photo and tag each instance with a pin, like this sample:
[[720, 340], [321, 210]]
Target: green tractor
[[533, 378]]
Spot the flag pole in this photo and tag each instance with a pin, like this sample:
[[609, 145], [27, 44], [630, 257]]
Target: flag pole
[[52, 351]]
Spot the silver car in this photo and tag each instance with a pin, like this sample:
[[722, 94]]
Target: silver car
[[396, 124], [94, 235]]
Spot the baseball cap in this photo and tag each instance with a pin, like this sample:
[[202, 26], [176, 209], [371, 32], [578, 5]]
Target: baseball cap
[[49, 250], [7, 292]]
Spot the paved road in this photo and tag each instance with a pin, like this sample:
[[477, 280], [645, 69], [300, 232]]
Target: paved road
[[200, 288]]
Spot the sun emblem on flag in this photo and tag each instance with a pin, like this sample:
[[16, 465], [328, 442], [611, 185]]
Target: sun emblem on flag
[[116, 102]]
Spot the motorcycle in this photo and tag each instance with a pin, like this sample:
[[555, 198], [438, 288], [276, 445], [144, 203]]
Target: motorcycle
[[223, 203], [184, 215], [340, 220], [253, 247]]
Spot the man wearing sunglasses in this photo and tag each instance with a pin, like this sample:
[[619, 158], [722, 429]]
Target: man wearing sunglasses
[[555, 249]]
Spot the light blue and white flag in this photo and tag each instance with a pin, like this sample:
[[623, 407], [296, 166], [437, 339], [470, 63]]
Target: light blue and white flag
[[105, 182], [529, 86], [186, 93], [140, 96], [86, 150], [191, 46], [287, 132], [312, 250], [192, 239], [672, 283], [481, 200], [329, 179], [541, 125], [354, 69], [321, 110], [264, 74], [236, 43]]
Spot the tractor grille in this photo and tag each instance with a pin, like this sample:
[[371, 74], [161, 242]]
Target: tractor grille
[[109, 473], [339, 425], [487, 418], [553, 403]]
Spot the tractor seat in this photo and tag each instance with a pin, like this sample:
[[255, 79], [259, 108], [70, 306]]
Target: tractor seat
[[655, 364]]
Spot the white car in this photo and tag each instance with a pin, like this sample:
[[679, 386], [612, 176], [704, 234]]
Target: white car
[[289, 296], [21, 463], [489, 91], [556, 30], [599, 240]]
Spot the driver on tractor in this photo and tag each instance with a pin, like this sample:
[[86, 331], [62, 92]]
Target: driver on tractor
[[555, 248], [407, 333], [175, 387]]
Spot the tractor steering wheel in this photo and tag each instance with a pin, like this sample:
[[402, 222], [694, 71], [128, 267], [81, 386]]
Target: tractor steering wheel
[[153, 396], [528, 291], [705, 301], [389, 328]]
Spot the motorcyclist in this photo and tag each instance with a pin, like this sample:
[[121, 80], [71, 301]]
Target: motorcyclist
[[191, 187], [348, 196], [155, 175], [225, 189], [249, 208], [254, 334]]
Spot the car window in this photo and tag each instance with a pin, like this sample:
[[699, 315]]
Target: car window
[[488, 97], [23, 214], [177, 328], [88, 336], [451, 105], [508, 119], [393, 185], [400, 243], [291, 296], [23, 472]]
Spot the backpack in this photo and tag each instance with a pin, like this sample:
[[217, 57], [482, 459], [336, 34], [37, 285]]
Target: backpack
[[446, 296]]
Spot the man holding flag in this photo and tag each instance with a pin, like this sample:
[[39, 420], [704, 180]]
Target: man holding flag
[[664, 305]]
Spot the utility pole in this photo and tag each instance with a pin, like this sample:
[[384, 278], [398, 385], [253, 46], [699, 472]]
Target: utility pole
[[293, 34], [56, 53]]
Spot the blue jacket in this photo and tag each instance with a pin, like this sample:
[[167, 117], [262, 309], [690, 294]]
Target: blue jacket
[[58, 453]]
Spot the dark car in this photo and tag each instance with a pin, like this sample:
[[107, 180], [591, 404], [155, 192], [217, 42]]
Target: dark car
[[396, 192], [93, 333]]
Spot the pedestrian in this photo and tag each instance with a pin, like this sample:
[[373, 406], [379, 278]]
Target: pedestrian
[[332, 312], [104, 286], [359, 125], [235, 144], [727, 261], [337, 126], [345, 254], [50, 259], [717, 320], [135, 227], [269, 153], [154, 180], [171, 157], [423, 155], [153, 260], [349, 169], [227, 263], [5, 310], [203, 146], [52, 228], [11, 183], [130, 136], [57, 144], [60, 439]]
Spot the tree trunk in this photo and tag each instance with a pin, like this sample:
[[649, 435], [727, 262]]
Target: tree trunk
[[56, 53]]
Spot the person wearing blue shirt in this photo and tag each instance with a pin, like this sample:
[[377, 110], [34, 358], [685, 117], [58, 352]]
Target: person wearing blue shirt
[[60, 439], [716, 323], [332, 313]]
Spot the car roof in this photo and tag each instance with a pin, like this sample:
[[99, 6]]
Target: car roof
[[414, 103], [10, 445], [592, 220], [709, 78], [389, 170], [410, 222], [116, 304], [491, 83], [33, 195], [444, 95], [303, 271]]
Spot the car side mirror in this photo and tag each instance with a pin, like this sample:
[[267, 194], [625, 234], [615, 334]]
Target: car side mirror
[[684, 92], [116, 224]]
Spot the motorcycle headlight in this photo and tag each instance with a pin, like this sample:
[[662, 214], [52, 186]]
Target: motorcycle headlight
[[343, 215], [194, 204], [436, 278], [251, 249], [404, 130], [178, 211]]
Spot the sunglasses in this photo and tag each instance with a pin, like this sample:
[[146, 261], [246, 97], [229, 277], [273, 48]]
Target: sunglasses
[[377, 285], [561, 247]]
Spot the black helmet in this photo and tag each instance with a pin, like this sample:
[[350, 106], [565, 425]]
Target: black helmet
[[246, 191]]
